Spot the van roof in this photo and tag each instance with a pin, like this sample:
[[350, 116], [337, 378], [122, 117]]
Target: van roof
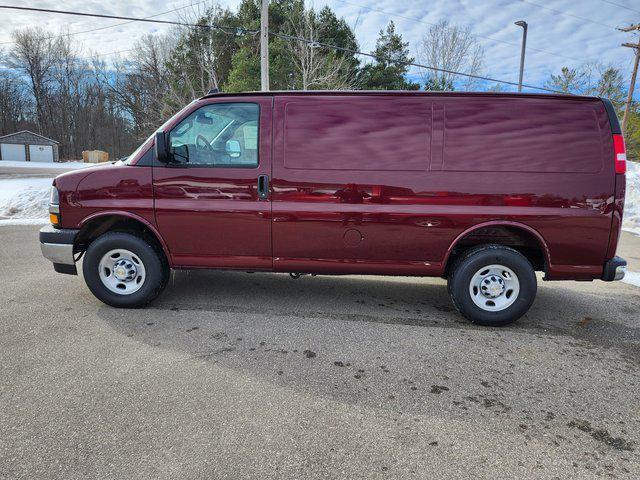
[[402, 93]]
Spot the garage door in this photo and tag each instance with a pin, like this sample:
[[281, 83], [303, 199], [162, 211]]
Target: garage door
[[12, 152], [41, 153]]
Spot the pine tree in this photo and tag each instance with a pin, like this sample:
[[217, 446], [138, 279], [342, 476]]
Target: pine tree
[[570, 80], [389, 70], [611, 86]]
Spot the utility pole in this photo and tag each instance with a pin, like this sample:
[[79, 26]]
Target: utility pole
[[524, 25], [264, 46], [636, 47], [633, 84]]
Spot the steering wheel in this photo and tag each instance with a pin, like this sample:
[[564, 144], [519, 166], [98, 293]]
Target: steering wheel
[[202, 143]]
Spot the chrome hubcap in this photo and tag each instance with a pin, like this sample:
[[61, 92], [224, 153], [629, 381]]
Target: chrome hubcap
[[121, 271], [494, 288]]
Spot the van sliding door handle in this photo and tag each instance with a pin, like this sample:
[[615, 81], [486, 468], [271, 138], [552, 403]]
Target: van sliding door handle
[[263, 186]]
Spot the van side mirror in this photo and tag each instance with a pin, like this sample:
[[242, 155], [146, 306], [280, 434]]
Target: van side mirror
[[162, 153], [232, 148]]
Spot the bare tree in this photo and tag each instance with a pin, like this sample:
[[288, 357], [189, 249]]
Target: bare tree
[[202, 56], [34, 56], [149, 78], [67, 92], [452, 48], [317, 67], [46, 86], [141, 86], [14, 104]]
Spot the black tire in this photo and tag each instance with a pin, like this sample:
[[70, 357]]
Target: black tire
[[156, 269], [470, 262]]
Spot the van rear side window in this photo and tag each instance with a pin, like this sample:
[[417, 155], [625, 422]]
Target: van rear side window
[[505, 135], [358, 134]]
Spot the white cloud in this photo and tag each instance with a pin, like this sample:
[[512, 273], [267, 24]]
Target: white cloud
[[563, 39]]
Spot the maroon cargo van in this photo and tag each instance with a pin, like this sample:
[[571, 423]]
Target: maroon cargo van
[[482, 189]]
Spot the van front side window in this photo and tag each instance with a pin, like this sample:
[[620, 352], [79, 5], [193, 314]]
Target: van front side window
[[217, 135]]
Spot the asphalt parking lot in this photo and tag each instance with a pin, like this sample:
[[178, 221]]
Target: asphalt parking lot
[[257, 376]]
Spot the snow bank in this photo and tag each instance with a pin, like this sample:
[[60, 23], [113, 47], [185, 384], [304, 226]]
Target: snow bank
[[24, 198], [25, 201], [631, 218], [23, 221], [41, 165], [632, 278]]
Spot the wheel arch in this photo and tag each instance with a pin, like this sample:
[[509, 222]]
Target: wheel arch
[[96, 224], [517, 235]]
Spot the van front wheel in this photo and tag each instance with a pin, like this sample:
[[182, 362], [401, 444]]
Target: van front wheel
[[122, 270], [492, 285]]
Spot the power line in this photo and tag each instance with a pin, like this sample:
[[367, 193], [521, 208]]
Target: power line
[[118, 17], [418, 20], [621, 6], [236, 31], [413, 64], [567, 14], [114, 25]]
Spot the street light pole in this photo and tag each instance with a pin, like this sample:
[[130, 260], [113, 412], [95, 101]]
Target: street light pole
[[524, 25], [264, 46]]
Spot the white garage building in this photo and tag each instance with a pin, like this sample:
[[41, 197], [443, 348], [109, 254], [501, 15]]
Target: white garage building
[[26, 146]]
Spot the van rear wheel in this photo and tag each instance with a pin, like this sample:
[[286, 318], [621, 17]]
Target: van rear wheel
[[492, 285], [122, 270]]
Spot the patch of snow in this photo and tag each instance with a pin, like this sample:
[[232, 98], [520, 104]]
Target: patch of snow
[[47, 165], [23, 221], [632, 278], [631, 217], [24, 198]]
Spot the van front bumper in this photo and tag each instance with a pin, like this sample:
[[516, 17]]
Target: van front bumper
[[57, 246], [614, 269]]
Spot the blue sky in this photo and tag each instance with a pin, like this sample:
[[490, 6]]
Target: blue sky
[[584, 31]]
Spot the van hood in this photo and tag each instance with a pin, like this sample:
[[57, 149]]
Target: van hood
[[69, 181]]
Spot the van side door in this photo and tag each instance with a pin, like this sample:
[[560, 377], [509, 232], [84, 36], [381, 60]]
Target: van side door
[[350, 185], [212, 199]]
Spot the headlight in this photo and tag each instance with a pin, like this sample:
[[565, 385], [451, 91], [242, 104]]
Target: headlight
[[55, 197], [54, 207]]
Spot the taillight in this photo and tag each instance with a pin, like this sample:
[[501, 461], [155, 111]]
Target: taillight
[[620, 154]]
